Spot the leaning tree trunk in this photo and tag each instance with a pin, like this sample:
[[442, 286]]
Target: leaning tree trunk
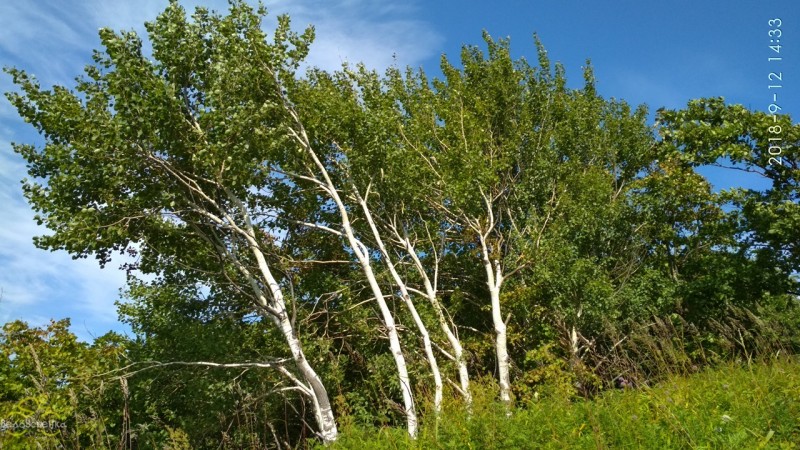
[[314, 387], [444, 324], [397, 352], [319, 395], [272, 304], [423, 330], [391, 328], [298, 133], [362, 255]]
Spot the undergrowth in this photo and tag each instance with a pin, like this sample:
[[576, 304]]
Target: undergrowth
[[732, 406]]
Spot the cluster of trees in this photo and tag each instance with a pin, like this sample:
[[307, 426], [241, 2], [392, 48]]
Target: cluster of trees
[[327, 247]]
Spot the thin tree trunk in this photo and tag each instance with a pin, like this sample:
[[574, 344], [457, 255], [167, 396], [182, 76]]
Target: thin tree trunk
[[315, 388], [274, 305], [362, 255], [444, 324], [494, 279], [423, 330], [361, 252], [501, 347], [394, 345], [322, 405]]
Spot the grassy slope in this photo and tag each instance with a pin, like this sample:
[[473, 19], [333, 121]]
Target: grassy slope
[[731, 407]]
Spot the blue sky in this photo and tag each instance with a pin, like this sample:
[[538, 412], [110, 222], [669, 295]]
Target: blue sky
[[659, 53]]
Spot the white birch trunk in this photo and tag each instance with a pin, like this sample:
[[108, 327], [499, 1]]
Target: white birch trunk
[[423, 330], [323, 411], [444, 324], [394, 345], [500, 340], [574, 342], [502, 350], [274, 304], [322, 405], [314, 387], [326, 184], [494, 279]]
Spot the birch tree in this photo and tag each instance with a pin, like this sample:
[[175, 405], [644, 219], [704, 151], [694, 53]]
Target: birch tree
[[517, 157], [478, 131], [319, 176], [393, 202], [335, 127], [173, 155]]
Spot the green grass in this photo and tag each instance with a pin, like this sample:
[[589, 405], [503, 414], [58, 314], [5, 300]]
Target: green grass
[[729, 407]]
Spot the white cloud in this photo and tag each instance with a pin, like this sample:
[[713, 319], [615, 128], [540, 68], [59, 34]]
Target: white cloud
[[368, 31], [38, 285]]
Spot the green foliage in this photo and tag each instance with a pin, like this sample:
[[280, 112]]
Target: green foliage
[[708, 131], [48, 377], [545, 372], [204, 406]]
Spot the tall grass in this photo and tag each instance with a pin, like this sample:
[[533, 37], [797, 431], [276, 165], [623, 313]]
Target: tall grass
[[733, 406], [730, 385]]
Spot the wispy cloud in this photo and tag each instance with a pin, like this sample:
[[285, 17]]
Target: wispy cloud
[[368, 31], [37, 284]]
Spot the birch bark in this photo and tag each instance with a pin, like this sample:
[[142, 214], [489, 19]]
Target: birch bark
[[404, 294], [444, 324], [299, 134], [241, 227], [494, 279]]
